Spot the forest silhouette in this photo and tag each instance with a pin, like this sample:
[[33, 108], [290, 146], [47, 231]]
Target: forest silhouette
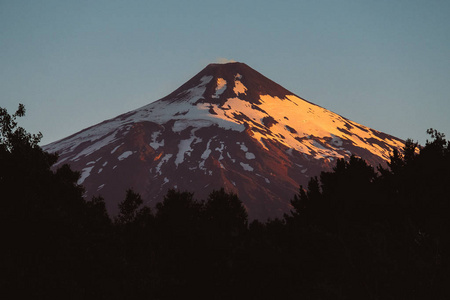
[[355, 232]]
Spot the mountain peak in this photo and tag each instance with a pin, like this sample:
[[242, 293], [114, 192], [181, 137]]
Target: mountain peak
[[233, 79]]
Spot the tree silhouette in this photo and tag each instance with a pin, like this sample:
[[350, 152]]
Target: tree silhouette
[[225, 214], [128, 209], [392, 225], [47, 227]]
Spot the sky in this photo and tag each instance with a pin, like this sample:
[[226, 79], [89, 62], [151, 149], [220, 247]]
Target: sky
[[73, 64]]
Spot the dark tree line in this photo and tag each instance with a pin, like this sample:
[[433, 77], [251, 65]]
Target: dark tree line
[[353, 233]]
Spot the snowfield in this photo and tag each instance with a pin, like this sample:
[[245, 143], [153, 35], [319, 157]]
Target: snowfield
[[291, 112]]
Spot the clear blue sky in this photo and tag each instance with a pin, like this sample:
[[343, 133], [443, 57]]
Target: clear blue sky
[[384, 64]]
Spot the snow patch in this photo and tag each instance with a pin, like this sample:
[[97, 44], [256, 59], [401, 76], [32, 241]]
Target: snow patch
[[229, 156], [239, 88], [154, 144], [196, 93], [162, 161], [336, 141], [125, 155], [318, 145], [182, 124], [246, 167], [184, 147], [99, 143], [84, 174], [250, 155], [220, 88], [117, 147], [205, 156], [220, 150], [243, 147], [207, 151], [265, 178]]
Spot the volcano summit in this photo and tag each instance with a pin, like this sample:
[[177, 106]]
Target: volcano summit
[[228, 126]]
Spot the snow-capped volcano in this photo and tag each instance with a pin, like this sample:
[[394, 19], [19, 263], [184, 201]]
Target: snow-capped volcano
[[228, 126]]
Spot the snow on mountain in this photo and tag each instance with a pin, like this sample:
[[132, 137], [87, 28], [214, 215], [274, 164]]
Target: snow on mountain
[[228, 126]]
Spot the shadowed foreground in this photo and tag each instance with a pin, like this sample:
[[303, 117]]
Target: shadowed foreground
[[353, 233]]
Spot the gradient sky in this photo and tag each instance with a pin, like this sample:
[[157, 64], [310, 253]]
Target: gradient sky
[[384, 64]]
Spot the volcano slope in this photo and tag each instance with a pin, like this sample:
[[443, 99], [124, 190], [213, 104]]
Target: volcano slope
[[228, 126]]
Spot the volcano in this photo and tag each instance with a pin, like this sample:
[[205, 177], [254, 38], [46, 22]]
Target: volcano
[[228, 126]]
